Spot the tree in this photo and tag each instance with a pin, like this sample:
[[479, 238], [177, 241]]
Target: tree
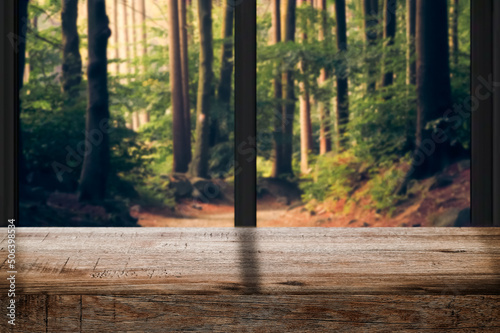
[[71, 60], [289, 94], [125, 30], [341, 73], [218, 134], [144, 116], [278, 94], [389, 35], [325, 143], [305, 106], [411, 65], [115, 37], [134, 35], [199, 165], [454, 31], [180, 145], [433, 147], [185, 74], [144, 40], [370, 12], [96, 161]]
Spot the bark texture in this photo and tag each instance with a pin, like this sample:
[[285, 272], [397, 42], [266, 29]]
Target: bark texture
[[71, 60], [342, 82], [199, 165], [289, 94], [96, 162], [325, 142], [180, 144], [433, 147], [185, 73], [305, 105], [278, 95]]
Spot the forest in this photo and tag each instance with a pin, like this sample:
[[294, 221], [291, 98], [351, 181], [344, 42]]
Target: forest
[[127, 112]]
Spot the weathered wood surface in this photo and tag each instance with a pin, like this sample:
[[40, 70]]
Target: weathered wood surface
[[305, 279]]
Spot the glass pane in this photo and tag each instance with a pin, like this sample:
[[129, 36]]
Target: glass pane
[[363, 113], [134, 129]]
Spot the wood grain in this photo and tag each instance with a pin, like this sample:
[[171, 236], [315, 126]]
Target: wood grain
[[264, 279]]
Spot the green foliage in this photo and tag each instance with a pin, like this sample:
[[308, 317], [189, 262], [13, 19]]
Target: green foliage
[[383, 187], [334, 177]]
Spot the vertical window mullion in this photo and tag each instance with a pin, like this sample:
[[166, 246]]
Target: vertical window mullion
[[245, 113]]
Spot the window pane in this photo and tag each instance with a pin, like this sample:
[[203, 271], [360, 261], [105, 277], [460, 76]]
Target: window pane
[[137, 127], [363, 113]]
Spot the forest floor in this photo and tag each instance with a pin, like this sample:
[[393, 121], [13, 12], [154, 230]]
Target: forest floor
[[440, 201]]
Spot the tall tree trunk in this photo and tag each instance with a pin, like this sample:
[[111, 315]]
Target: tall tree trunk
[[199, 166], [434, 150], [144, 40], [389, 35], [289, 95], [411, 69], [181, 154], [370, 11], [411, 65], [342, 81], [96, 161], [278, 95], [72, 61], [185, 73], [144, 117], [125, 30], [454, 31], [134, 35], [305, 107], [115, 37], [218, 122], [325, 143]]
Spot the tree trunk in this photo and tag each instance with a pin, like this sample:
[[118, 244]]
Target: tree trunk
[[199, 166], [389, 35], [434, 150], [342, 82], [134, 36], [185, 73], [144, 35], [218, 123], [144, 117], [115, 37], [125, 30], [180, 146], [411, 65], [305, 108], [278, 95], [289, 95], [72, 61], [454, 31], [325, 143], [370, 11], [411, 68], [96, 161]]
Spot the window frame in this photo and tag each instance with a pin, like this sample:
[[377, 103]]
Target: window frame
[[485, 126]]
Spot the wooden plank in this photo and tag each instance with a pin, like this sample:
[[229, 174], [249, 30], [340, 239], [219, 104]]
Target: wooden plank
[[257, 313], [281, 261], [254, 280]]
